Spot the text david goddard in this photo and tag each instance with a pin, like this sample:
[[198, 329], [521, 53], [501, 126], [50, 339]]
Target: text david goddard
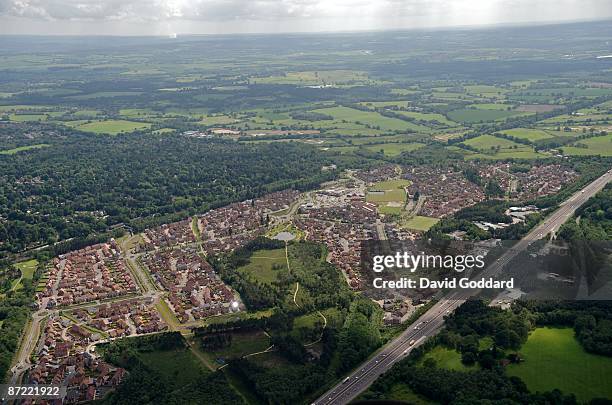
[[454, 283]]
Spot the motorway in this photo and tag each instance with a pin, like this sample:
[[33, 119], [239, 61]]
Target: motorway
[[432, 321]]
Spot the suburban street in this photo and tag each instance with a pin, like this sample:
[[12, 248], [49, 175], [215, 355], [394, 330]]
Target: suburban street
[[433, 320]]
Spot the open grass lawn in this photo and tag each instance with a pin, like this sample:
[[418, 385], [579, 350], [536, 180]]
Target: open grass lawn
[[478, 115], [178, 366], [531, 135], [261, 265], [600, 145], [389, 196], [449, 359], [555, 359], [386, 196], [113, 127], [388, 191], [394, 149], [27, 270], [243, 343], [23, 149], [419, 223]]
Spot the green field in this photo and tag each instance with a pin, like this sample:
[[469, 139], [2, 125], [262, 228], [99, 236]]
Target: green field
[[555, 359], [478, 115], [28, 117], [181, 367], [447, 358], [600, 145], [488, 142], [394, 149], [23, 149], [389, 196], [531, 135], [27, 270], [113, 127], [429, 117], [243, 343], [419, 223], [261, 265], [371, 118]]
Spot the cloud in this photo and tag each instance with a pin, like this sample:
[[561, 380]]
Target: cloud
[[274, 15]]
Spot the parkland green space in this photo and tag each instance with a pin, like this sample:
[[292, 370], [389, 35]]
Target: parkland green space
[[265, 265], [419, 223], [555, 359], [389, 196], [449, 359], [242, 344], [27, 270]]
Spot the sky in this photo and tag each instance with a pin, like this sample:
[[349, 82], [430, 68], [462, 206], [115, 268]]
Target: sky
[[176, 17]]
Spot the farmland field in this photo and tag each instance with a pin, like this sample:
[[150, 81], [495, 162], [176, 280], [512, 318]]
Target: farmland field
[[531, 135], [370, 118], [113, 127], [477, 115], [600, 145], [394, 149], [555, 359], [487, 142]]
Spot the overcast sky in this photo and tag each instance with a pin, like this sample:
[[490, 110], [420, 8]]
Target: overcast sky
[[168, 17]]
